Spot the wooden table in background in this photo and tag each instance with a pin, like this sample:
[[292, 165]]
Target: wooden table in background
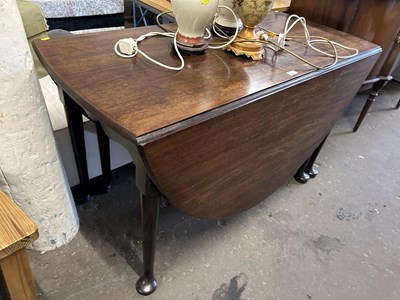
[[217, 137], [16, 232]]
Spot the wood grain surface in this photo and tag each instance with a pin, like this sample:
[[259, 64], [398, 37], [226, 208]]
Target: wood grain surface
[[17, 276], [229, 164], [16, 229], [221, 135], [375, 21], [139, 99]]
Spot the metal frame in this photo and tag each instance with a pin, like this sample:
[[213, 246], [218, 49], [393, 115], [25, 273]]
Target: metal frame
[[143, 9]]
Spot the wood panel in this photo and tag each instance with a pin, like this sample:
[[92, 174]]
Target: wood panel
[[332, 13], [281, 5], [377, 21], [228, 164], [16, 229], [16, 232], [17, 276]]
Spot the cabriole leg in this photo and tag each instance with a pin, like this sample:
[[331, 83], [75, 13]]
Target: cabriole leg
[[301, 176], [150, 203], [398, 105], [310, 170]]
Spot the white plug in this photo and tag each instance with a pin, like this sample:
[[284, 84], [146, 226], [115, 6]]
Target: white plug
[[262, 36], [127, 46], [281, 40]]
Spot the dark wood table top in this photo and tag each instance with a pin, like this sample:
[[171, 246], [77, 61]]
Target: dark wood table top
[[144, 102]]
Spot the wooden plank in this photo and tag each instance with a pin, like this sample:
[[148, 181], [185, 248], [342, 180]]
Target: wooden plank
[[281, 5], [18, 276], [161, 5], [16, 229]]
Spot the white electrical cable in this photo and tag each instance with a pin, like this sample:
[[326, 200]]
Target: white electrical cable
[[310, 41], [231, 39], [133, 48], [208, 36], [128, 48], [225, 37]]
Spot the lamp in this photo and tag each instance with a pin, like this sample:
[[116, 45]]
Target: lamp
[[192, 17], [225, 20], [252, 12]]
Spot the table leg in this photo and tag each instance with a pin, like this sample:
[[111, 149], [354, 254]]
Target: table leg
[[307, 170], [310, 170], [398, 105], [150, 203], [371, 99], [301, 176], [17, 275], [104, 149], [73, 114], [150, 206]]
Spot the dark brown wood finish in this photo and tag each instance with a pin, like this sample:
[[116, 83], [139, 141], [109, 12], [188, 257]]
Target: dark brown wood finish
[[332, 13], [377, 21], [217, 137], [222, 134], [226, 165], [136, 98]]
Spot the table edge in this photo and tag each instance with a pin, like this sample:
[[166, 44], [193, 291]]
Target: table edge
[[202, 117], [163, 132]]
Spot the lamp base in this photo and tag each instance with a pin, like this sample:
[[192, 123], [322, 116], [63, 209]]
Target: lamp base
[[227, 30], [190, 46], [191, 49], [247, 44]]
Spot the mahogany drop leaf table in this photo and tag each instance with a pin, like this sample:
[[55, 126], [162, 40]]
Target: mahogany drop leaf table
[[217, 137]]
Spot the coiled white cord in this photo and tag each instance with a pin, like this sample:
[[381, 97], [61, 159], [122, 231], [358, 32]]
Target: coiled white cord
[[221, 36], [128, 48], [310, 41]]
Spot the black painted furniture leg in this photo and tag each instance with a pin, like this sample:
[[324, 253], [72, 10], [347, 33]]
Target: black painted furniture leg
[[150, 202], [310, 170], [301, 176], [73, 114], [398, 105], [104, 149]]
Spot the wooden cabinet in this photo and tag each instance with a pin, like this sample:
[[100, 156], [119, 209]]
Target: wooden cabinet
[[377, 21]]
